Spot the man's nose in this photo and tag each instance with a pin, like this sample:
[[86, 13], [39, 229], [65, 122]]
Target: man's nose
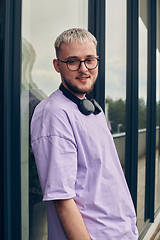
[[82, 67]]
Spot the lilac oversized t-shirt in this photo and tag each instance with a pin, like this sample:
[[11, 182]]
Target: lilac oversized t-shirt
[[76, 158]]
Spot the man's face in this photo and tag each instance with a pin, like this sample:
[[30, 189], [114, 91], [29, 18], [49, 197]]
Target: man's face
[[81, 81]]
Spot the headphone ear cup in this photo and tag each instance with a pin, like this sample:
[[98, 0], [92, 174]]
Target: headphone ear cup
[[97, 107], [86, 107]]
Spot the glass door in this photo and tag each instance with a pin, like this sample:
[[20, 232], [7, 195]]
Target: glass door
[[115, 73], [42, 22]]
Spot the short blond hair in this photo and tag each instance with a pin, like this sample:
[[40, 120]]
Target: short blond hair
[[71, 35]]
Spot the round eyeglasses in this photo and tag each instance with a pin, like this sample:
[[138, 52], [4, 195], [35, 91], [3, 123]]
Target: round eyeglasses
[[75, 64]]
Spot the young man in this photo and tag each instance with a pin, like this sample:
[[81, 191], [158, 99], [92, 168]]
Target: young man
[[79, 170]]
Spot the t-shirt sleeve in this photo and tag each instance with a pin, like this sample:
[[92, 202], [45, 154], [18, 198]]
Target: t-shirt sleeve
[[56, 159]]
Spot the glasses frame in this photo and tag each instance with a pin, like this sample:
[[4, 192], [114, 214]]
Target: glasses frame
[[80, 61]]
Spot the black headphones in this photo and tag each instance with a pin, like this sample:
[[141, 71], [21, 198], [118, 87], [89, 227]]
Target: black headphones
[[85, 106]]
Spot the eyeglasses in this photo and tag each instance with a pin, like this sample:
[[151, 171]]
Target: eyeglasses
[[75, 64]]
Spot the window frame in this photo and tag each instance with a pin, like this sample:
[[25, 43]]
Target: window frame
[[10, 120]]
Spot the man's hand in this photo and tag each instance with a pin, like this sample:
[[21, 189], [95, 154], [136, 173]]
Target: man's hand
[[71, 220]]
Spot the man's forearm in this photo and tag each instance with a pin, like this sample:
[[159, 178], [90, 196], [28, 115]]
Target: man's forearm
[[71, 220]]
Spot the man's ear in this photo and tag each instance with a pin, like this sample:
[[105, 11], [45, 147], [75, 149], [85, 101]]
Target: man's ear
[[56, 65]]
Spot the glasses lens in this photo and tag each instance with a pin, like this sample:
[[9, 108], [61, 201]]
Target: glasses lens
[[73, 64], [91, 63]]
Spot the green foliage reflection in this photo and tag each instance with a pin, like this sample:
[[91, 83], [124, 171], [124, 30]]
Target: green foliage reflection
[[117, 114]]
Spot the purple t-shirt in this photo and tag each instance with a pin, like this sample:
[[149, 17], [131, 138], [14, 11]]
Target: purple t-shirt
[[76, 158]]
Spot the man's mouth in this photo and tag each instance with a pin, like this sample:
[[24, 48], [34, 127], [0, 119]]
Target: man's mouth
[[83, 78]]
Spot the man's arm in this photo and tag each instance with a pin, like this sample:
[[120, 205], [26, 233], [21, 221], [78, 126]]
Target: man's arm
[[71, 220]]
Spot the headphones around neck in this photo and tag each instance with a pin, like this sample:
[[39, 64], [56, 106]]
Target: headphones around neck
[[85, 106]]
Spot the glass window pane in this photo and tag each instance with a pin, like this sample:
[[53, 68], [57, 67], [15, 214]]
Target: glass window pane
[[42, 22], [115, 83], [142, 112], [157, 173]]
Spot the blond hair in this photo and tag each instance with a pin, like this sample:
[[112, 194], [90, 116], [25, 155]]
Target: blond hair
[[71, 35]]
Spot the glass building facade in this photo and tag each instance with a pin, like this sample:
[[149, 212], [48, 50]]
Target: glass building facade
[[128, 89]]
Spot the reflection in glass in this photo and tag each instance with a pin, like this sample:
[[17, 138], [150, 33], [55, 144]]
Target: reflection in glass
[[115, 84], [41, 24], [142, 113], [31, 95]]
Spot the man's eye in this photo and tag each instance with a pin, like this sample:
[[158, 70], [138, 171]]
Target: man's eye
[[72, 62], [89, 60]]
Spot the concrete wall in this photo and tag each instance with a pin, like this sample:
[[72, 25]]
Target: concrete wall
[[119, 140]]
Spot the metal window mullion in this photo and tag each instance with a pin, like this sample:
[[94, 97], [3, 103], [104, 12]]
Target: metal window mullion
[[151, 113], [131, 146], [11, 121], [96, 25]]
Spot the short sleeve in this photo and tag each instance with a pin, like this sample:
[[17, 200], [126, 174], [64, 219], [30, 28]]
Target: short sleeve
[[56, 160], [55, 154]]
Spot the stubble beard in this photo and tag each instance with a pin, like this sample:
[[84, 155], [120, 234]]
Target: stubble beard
[[75, 89]]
